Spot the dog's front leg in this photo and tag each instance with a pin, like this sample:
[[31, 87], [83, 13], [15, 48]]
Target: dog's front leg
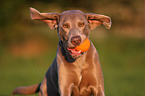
[[43, 88], [97, 92], [65, 83], [66, 90]]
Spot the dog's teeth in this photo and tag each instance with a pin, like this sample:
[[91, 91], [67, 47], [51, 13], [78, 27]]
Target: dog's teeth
[[80, 51]]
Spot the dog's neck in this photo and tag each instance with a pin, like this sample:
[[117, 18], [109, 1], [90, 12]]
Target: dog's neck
[[78, 62]]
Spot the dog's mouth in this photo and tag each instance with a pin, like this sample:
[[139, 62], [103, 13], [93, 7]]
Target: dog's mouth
[[73, 52]]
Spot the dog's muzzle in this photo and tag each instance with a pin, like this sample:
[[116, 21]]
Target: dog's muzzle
[[74, 52]]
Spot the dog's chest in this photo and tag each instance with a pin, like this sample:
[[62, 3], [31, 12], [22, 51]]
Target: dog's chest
[[87, 79], [84, 81]]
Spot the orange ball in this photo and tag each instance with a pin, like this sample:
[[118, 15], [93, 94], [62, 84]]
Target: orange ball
[[84, 46]]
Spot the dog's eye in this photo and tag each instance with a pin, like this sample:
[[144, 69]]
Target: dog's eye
[[65, 25], [81, 24]]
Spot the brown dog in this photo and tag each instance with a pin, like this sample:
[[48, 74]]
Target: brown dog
[[72, 73]]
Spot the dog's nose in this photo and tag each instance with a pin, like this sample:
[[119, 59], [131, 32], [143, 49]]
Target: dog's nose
[[76, 40]]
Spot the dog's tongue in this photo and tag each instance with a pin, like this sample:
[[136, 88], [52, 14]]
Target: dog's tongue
[[74, 51]]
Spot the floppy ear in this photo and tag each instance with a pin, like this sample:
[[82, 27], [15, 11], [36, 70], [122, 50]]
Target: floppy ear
[[97, 19], [50, 18]]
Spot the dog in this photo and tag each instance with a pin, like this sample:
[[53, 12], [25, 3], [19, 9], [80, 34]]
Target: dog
[[72, 73]]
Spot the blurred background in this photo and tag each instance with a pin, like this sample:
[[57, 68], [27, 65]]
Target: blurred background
[[27, 48]]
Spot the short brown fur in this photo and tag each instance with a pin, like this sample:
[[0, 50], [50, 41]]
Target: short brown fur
[[70, 74]]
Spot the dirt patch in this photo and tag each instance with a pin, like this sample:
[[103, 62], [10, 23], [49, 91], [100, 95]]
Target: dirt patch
[[29, 48]]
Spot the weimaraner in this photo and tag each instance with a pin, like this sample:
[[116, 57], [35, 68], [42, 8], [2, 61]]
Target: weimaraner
[[72, 73]]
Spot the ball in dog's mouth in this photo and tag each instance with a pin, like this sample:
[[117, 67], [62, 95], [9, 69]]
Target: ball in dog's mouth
[[77, 51], [84, 46]]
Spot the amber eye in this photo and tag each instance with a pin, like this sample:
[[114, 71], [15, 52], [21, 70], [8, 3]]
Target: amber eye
[[65, 25], [81, 24]]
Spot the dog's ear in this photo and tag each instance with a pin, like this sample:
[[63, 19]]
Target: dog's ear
[[97, 19], [50, 18]]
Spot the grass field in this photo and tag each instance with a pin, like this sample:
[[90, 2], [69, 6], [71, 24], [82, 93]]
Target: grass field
[[122, 60]]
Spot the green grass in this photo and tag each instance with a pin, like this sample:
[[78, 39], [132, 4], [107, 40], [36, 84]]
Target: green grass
[[122, 60], [123, 63]]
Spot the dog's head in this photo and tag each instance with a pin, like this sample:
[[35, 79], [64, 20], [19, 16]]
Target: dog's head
[[73, 26]]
